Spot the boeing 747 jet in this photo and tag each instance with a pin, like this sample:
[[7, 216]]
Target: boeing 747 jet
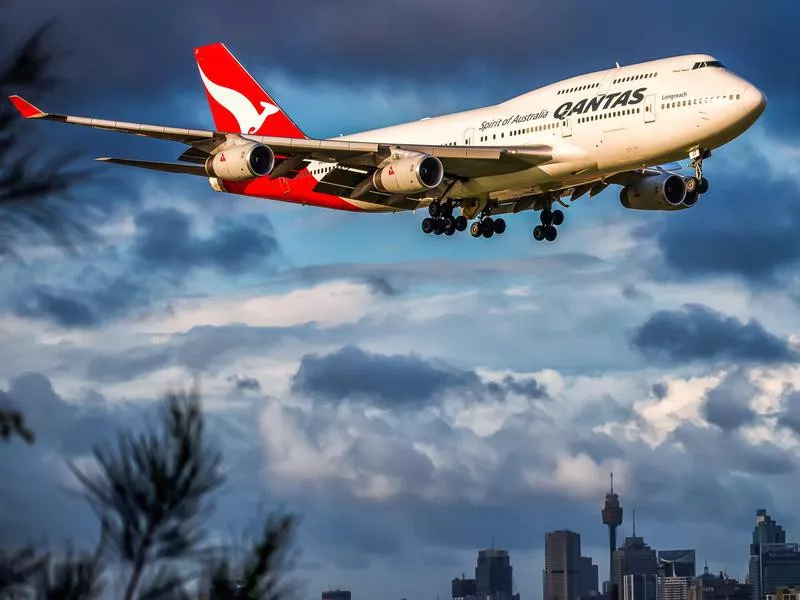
[[534, 152]]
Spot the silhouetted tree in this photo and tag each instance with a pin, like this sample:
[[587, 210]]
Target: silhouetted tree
[[151, 493], [36, 191]]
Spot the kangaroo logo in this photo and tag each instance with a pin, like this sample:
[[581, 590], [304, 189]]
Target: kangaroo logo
[[246, 115]]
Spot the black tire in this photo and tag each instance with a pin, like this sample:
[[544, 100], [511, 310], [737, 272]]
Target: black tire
[[461, 223], [488, 223], [702, 186], [438, 228], [546, 217], [475, 229], [558, 217], [550, 233], [449, 225], [427, 225], [487, 231], [538, 233], [447, 209], [434, 209], [499, 226]]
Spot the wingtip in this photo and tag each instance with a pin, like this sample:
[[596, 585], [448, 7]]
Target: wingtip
[[210, 47], [25, 108]]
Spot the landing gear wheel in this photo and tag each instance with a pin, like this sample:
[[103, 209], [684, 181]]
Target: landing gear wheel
[[447, 209], [558, 217], [449, 225], [499, 226], [691, 185], [546, 216], [538, 233], [438, 227], [487, 231], [434, 209], [461, 223], [475, 229], [702, 186], [550, 233], [427, 225]]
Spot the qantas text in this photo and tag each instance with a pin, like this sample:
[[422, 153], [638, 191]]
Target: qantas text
[[593, 104]]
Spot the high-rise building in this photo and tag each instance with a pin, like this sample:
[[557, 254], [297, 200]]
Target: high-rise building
[[567, 575], [589, 578], [562, 565], [612, 518], [639, 587], [785, 594], [494, 575], [673, 588], [713, 587], [633, 558], [464, 589], [676, 563], [773, 564]]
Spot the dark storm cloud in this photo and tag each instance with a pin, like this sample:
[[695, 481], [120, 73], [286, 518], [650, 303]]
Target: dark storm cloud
[[165, 241], [728, 234], [698, 333], [381, 285], [331, 38], [660, 390], [728, 405], [388, 380], [75, 308], [396, 380]]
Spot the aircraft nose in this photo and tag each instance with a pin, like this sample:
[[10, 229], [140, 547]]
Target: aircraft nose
[[754, 101]]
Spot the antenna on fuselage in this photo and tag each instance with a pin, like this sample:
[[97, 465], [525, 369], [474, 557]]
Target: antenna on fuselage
[[616, 63]]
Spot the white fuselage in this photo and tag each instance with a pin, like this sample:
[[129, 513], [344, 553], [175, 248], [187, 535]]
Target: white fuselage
[[598, 124]]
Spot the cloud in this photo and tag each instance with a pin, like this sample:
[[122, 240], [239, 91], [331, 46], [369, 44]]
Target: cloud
[[245, 384], [165, 242], [394, 381], [790, 417], [728, 405], [351, 373], [698, 333]]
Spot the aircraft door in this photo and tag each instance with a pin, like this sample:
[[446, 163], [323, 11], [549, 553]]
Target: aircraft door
[[566, 126], [469, 134], [650, 109]]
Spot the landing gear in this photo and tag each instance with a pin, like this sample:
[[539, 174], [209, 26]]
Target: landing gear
[[550, 219], [702, 186], [698, 156], [442, 221]]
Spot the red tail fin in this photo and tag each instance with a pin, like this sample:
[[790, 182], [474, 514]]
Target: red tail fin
[[238, 103]]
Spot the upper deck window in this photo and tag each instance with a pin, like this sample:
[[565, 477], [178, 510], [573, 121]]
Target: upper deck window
[[708, 63]]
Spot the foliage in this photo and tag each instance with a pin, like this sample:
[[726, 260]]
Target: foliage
[[36, 192]]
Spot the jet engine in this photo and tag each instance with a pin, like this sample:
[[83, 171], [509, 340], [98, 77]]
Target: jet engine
[[658, 192], [241, 162], [409, 175]]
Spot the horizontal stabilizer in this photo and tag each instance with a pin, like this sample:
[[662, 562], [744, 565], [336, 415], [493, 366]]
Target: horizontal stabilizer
[[158, 166]]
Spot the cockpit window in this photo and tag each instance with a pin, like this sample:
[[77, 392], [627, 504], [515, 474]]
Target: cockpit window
[[708, 63]]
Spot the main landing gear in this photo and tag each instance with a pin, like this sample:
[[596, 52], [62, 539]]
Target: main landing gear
[[550, 219], [442, 221]]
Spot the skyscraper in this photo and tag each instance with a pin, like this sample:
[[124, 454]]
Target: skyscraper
[[463, 589], [773, 562], [676, 563], [612, 518], [562, 565], [567, 575], [633, 558], [494, 575]]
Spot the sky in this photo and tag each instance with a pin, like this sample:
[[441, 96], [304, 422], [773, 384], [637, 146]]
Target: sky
[[414, 398]]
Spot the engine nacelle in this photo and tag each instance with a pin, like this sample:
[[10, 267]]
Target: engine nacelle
[[409, 175], [241, 162], [659, 192]]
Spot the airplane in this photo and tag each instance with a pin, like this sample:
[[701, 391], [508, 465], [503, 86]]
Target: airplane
[[622, 126]]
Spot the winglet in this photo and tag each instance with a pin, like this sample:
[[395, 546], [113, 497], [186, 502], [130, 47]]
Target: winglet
[[25, 108]]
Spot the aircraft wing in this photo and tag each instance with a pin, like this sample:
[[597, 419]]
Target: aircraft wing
[[460, 162]]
